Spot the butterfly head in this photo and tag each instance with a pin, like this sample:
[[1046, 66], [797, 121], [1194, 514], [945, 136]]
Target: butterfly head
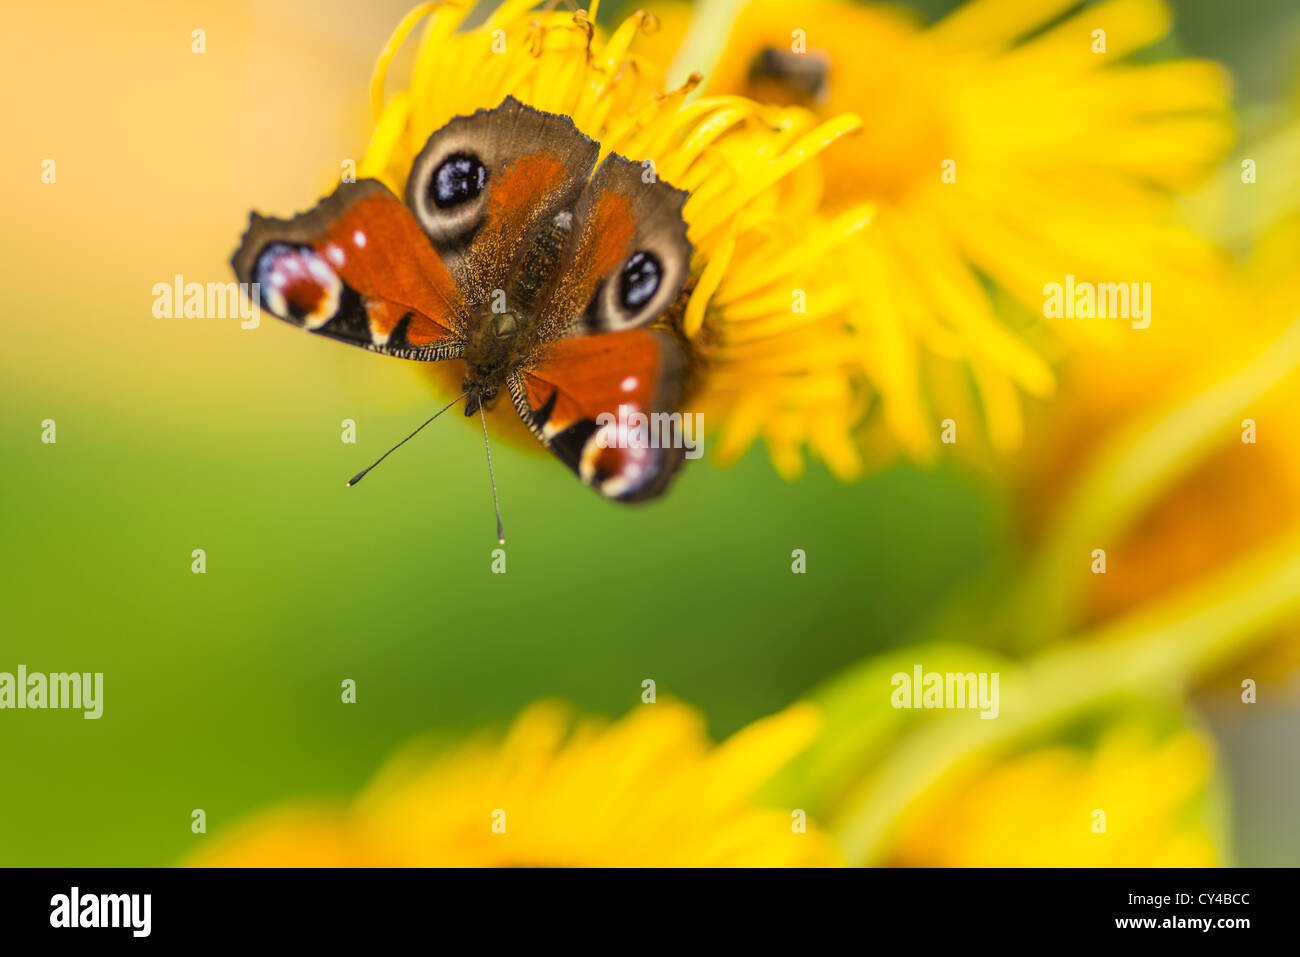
[[490, 352], [477, 397]]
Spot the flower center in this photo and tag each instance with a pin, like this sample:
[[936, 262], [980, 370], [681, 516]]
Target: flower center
[[877, 66]]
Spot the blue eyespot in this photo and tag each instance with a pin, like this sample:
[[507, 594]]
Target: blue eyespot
[[458, 179], [639, 280]]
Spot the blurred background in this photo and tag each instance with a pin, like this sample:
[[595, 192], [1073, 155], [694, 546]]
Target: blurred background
[[222, 689]]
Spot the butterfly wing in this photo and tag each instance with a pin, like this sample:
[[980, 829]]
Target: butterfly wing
[[605, 405], [626, 258], [508, 199], [356, 268], [602, 391], [487, 185]]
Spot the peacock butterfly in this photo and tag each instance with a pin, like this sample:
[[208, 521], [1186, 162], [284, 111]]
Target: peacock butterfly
[[511, 254]]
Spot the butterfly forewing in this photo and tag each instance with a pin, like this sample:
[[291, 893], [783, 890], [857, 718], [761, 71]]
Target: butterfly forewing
[[627, 256], [357, 268], [486, 186]]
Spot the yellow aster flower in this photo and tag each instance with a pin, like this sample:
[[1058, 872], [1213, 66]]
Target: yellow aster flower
[[1004, 148], [1039, 809], [764, 317], [647, 790]]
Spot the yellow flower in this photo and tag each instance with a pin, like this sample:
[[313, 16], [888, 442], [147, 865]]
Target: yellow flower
[[1039, 809], [764, 317], [1238, 489], [647, 790], [1200, 491], [1005, 147]]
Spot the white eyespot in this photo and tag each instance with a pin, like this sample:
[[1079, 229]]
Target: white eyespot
[[298, 285], [629, 384], [359, 239], [335, 255]]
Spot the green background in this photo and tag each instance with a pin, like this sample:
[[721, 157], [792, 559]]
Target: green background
[[222, 690]]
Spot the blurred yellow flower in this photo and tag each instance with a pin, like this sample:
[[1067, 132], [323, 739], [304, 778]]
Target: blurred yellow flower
[[1177, 455], [1039, 809], [772, 355], [1005, 147], [1235, 489], [647, 790]]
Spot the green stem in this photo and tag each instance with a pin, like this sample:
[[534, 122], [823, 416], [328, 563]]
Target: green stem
[[705, 40], [1154, 653]]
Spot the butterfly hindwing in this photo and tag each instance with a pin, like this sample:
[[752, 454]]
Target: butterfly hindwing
[[356, 268], [583, 401]]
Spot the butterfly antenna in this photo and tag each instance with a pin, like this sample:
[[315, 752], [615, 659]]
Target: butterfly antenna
[[362, 474], [496, 503]]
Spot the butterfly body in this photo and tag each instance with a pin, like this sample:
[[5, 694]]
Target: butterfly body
[[502, 336], [547, 274], [493, 349]]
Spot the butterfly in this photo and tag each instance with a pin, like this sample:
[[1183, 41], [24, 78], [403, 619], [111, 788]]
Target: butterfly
[[514, 252]]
